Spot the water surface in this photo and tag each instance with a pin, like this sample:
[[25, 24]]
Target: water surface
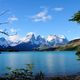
[[52, 63]]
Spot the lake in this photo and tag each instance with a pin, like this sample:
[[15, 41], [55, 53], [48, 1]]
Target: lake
[[52, 63]]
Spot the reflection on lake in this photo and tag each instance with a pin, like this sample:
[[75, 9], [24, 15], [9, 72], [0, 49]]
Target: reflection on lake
[[51, 63]]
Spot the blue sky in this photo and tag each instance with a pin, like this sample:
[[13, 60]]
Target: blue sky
[[42, 17]]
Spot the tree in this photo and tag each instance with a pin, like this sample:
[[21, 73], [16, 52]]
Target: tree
[[6, 22], [76, 17], [2, 13]]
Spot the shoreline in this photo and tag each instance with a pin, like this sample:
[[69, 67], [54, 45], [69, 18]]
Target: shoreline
[[71, 77]]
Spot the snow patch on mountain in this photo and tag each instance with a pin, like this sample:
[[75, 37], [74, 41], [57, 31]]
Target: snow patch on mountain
[[40, 40], [32, 39], [54, 40], [4, 42]]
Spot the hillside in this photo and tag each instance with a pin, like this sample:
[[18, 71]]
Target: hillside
[[38, 43], [71, 45], [32, 42]]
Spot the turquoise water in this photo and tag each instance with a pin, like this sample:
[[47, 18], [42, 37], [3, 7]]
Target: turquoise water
[[52, 63]]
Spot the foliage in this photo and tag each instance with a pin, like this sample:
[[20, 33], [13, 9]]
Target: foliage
[[76, 17], [23, 74], [20, 74], [5, 22]]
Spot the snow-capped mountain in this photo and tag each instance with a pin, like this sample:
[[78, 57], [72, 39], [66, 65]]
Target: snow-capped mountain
[[4, 42], [30, 37], [54, 40], [31, 41], [51, 40], [13, 43], [40, 40]]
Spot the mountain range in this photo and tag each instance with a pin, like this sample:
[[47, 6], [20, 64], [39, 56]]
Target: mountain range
[[32, 42]]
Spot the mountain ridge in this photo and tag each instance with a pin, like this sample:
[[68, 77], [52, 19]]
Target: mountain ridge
[[32, 42]]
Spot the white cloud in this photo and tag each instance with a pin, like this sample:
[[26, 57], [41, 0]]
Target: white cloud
[[41, 16], [58, 9], [12, 18], [1, 30], [13, 38], [13, 30]]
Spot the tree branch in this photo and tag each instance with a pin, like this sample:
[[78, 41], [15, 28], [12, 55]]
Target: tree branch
[[4, 12], [6, 33], [4, 22]]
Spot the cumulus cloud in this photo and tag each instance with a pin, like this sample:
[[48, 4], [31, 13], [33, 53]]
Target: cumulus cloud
[[41, 16], [58, 9], [12, 18], [13, 30], [1, 30]]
